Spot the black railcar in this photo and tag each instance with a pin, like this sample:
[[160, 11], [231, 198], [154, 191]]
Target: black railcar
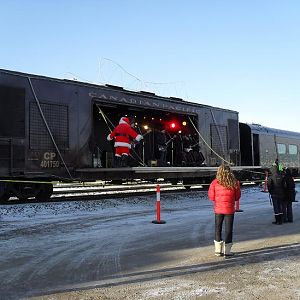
[[54, 129]]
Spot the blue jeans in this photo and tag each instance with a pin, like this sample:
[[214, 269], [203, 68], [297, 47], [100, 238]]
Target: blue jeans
[[219, 218]]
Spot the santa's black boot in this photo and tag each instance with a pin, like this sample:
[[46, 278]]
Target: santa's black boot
[[124, 161]]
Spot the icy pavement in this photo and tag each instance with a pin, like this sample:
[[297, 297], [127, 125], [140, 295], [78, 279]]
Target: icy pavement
[[109, 249]]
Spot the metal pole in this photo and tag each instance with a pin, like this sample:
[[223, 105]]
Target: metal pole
[[11, 150], [143, 152], [172, 153], [266, 182]]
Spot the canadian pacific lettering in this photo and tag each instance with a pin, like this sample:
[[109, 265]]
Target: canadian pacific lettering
[[146, 103]]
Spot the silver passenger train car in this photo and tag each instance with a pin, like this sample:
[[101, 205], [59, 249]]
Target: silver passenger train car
[[261, 146]]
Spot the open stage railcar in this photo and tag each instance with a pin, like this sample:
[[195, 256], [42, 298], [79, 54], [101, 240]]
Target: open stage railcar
[[53, 129]]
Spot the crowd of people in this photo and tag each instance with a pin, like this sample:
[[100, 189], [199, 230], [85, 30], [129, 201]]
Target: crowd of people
[[281, 187]]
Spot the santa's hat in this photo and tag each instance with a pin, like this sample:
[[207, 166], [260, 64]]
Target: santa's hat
[[124, 120]]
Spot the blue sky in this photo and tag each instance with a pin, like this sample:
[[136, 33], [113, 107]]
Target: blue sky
[[241, 55]]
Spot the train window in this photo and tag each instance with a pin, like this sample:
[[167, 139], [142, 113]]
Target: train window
[[293, 150], [281, 148]]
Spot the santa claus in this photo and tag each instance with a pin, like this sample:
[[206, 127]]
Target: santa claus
[[122, 135]]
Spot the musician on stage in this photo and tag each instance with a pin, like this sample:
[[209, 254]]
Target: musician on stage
[[162, 146], [187, 150]]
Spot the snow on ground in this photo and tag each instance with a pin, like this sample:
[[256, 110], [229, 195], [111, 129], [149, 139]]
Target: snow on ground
[[109, 249]]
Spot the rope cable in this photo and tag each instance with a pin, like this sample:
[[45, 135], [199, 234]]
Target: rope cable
[[202, 138], [106, 119], [48, 128], [254, 172], [218, 131]]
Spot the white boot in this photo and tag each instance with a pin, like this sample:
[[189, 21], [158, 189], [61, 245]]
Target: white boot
[[219, 248], [227, 249]]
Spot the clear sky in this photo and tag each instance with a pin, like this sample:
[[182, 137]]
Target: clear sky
[[241, 55]]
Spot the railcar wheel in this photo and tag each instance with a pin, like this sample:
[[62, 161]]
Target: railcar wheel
[[117, 181], [174, 181], [23, 199], [23, 190], [206, 182], [4, 192], [188, 182], [45, 192], [4, 198]]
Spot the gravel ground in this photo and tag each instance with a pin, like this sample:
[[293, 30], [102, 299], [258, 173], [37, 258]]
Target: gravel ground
[[109, 249]]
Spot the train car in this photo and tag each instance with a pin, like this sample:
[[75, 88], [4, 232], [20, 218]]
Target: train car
[[55, 129], [261, 146]]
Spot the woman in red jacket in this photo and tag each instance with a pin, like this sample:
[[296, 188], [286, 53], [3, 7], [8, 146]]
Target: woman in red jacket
[[224, 191]]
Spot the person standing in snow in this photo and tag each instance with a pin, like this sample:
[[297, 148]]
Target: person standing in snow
[[289, 197], [276, 187], [224, 191]]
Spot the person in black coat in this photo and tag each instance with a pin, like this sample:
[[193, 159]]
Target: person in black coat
[[289, 196], [162, 147], [276, 187]]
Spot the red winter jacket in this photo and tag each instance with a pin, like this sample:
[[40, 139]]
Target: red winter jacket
[[224, 198]]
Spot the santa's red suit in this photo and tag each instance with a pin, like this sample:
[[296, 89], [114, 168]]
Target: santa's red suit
[[122, 134]]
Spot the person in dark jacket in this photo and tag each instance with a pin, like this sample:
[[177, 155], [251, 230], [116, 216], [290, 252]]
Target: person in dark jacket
[[162, 147], [289, 196], [276, 188], [224, 191], [278, 165]]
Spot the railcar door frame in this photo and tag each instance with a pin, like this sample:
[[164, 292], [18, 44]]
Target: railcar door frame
[[255, 149]]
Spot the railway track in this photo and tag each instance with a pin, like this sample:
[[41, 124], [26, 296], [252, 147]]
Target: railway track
[[85, 192], [100, 190]]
